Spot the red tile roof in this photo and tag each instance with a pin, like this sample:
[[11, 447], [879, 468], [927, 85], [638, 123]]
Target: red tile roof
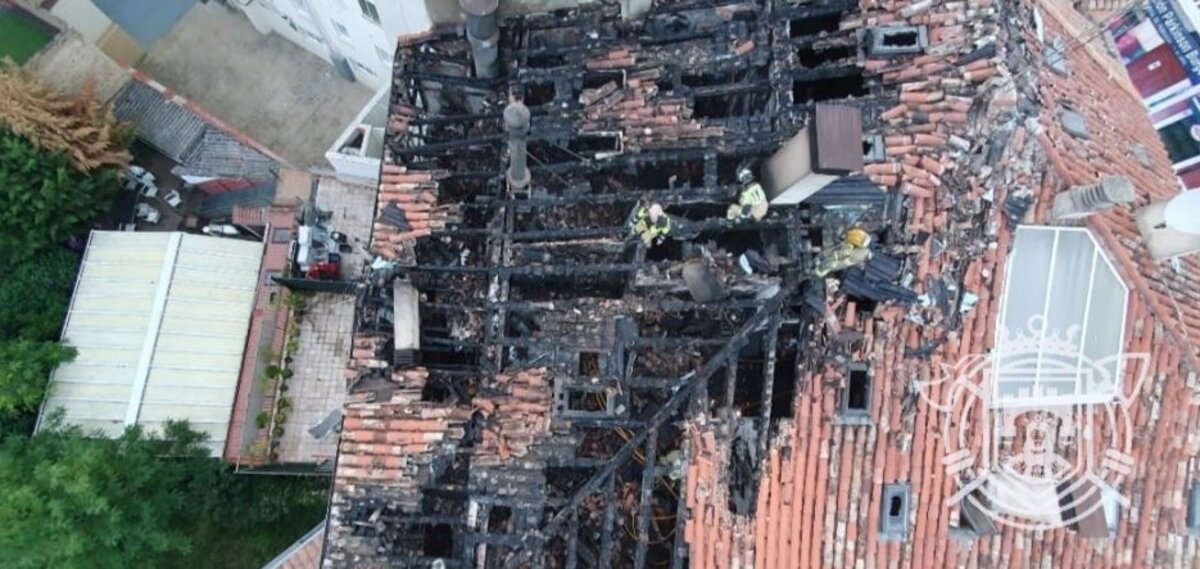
[[820, 495], [304, 554]]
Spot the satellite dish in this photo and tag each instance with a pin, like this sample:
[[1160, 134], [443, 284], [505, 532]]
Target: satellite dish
[[1183, 212]]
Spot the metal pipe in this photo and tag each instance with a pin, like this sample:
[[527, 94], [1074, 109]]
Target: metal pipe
[[483, 31], [516, 123]]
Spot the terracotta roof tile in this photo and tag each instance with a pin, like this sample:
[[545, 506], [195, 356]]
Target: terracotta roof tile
[[829, 477]]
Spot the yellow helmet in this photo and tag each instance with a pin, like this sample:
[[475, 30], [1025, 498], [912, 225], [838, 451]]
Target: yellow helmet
[[857, 237]]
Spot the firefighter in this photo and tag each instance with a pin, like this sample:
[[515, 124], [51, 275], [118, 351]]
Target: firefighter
[[853, 250], [752, 200], [651, 224]]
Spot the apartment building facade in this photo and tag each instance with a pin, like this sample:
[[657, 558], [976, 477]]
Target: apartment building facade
[[357, 37]]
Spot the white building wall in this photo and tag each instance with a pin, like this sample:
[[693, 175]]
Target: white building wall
[[84, 17], [329, 27]]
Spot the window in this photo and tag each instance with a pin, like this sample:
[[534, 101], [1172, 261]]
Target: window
[[893, 519], [341, 30], [384, 56], [281, 235], [1059, 282], [368, 10]]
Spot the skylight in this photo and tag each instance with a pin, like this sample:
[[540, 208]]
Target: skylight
[[1062, 321]]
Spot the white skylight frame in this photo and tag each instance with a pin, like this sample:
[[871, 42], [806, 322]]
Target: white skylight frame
[[1103, 320]]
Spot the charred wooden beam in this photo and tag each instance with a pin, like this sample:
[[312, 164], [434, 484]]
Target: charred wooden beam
[[535, 539], [644, 510]]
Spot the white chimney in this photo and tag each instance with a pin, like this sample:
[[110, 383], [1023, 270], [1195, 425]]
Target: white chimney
[[1171, 228]]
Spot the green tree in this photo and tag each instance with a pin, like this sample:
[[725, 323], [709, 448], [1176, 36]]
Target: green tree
[[35, 295], [73, 500], [25, 366], [69, 501], [43, 198]]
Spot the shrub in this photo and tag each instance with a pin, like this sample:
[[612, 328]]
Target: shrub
[[262, 420]]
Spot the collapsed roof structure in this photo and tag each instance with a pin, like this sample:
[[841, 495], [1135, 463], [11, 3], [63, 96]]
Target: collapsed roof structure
[[531, 387]]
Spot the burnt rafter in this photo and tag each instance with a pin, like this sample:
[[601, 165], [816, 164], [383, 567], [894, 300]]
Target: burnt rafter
[[543, 418]]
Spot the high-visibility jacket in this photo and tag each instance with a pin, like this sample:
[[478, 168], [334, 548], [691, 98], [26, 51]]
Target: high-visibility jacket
[[752, 194], [651, 230]]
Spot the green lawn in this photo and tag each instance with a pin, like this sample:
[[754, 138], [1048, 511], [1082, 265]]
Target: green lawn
[[18, 39]]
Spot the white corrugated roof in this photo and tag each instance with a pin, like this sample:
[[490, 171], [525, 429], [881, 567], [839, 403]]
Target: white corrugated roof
[[160, 323]]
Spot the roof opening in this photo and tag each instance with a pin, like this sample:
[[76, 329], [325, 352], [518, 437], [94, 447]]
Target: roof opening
[[590, 401], [540, 93], [896, 40], [726, 106], [589, 364], [545, 60], [783, 390], [598, 79], [597, 144], [893, 521], [498, 519], [439, 541], [708, 79], [827, 88], [748, 391], [813, 57], [900, 39], [855, 398], [813, 25]]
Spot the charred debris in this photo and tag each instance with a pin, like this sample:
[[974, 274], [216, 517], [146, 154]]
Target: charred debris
[[525, 371]]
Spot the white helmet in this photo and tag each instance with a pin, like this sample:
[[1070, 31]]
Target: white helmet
[[656, 212]]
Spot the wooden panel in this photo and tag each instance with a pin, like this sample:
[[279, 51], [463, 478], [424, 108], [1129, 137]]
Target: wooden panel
[[838, 139]]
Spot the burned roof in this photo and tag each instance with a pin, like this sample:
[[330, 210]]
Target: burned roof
[[572, 403]]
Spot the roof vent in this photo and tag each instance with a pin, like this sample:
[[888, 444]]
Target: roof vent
[[1073, 123], [888, 41], [1055, 57], [893, 519], [1142, 155], [1082, 201]]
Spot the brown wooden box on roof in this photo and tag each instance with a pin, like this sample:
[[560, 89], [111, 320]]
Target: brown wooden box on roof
[[837, 140]]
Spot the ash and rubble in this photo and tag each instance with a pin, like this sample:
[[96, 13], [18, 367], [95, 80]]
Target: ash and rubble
[[566, 375]]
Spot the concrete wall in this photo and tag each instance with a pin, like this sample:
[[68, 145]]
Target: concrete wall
[[84, 17], [70, 61], [362, 169], [368, 46]]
